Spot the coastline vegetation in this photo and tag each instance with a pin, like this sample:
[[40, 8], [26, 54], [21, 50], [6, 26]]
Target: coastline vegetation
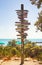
[[31, 49]]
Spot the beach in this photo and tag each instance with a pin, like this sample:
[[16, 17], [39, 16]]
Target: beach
[[17, 62]]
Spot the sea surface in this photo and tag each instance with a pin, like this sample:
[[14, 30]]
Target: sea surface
[[5, 41]]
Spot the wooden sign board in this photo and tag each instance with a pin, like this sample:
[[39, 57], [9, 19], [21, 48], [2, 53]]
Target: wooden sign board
[[19, 12], [23, 24], [23, 33], [24, 16], [18, 34], [23, 21], [22, 29]]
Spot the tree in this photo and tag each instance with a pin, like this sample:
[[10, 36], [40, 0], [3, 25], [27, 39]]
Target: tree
[[12, 43], [7, 51], [1, 52], [29, 49], [38, 23], [38, 3]]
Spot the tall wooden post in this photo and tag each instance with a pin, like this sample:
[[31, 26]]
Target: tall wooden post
[[22, 26], [22, 38]]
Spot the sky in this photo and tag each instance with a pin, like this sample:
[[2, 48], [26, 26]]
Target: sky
[[8, 17]]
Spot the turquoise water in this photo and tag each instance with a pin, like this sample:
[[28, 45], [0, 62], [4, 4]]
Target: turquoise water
[[5, 41]]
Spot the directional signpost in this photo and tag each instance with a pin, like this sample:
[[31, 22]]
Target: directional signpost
[[22, 26]]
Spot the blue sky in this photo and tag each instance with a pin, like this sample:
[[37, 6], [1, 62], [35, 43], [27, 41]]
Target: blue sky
[[8, 17]]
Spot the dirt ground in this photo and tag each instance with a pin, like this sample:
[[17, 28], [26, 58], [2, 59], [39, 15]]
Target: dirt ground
[[17, 62]]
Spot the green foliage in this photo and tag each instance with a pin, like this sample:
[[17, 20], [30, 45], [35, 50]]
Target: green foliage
[[38, 3], [7, 51], [39, 56], [13, 51], [38, 23], [1, 52], [12, 43], [30, 50]]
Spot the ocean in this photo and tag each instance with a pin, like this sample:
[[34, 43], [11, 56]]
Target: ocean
[[5, 41]]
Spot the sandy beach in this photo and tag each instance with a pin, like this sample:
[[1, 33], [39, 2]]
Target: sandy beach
[[17, 62]]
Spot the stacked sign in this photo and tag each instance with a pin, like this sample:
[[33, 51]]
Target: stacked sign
[[22, 26]]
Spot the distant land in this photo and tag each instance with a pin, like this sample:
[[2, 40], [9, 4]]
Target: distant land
[[5, 41]]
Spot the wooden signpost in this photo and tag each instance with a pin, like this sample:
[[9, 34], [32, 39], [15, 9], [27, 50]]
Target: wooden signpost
[[22, 26]]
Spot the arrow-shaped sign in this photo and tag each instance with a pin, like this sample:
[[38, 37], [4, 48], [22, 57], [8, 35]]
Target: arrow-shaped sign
[[22, 29]]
